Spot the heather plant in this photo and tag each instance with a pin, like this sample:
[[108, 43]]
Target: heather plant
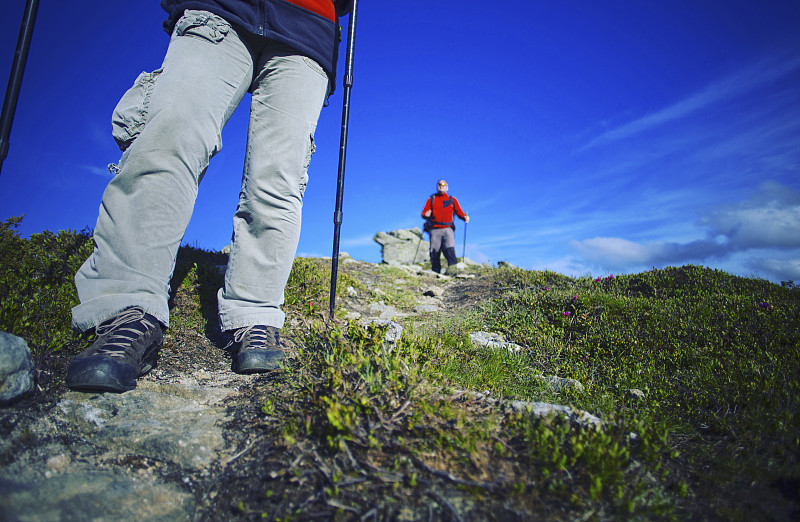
[[715, 355], [389, 432], [36, 284]]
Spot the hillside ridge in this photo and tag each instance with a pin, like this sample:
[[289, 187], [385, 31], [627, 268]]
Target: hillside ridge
[[497, 394]]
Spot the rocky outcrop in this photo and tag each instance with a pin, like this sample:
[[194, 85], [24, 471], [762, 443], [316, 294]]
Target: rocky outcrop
[[408, 249], [403, 247]]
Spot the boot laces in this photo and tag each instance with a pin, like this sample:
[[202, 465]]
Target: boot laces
[[256, 336], [123, 330]]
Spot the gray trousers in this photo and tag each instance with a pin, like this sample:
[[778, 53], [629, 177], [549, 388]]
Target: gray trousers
[[443, 240], [171, 122]]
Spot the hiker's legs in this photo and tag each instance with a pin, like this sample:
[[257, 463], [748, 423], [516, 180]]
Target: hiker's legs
[[436, 236], [147, 206], [449, 246], [436, 264], [450, 255], [288, 93]]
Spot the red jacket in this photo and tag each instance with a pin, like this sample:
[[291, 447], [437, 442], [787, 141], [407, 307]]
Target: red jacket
[[443, 207]]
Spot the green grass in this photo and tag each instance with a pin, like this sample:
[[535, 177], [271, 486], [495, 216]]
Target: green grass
[[716, 356], [308, 289]]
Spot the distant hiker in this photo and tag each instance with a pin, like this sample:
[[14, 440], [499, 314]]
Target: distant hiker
[[283, 52], [438, 212]]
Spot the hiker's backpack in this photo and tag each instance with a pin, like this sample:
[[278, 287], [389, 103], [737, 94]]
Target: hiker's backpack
[[428, 225]]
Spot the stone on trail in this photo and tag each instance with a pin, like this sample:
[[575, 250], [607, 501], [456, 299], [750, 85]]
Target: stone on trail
[[16, 368]]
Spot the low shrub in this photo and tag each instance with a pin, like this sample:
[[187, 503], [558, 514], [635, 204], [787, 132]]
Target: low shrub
[[37, 290]]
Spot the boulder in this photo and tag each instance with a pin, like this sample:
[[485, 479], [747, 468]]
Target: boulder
[[177, 423], [16, 368], [403, 247], [563, 384], [394, 330], [493, 340], [539, 409], [434, 291]]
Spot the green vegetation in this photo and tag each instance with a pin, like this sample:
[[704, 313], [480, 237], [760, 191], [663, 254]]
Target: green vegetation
[[197, 277], [715, 355], [36, 284], [309, 285], [694, 373]]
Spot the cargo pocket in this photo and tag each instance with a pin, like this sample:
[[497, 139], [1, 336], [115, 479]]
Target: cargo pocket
[[202, 24], [304, 177], [130, 114]]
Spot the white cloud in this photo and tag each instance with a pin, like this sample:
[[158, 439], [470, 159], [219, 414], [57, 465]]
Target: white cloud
[[764, 225], [741, 82], [358, 241], [614, 251], [780, 269], [771, 219], [620, 254]]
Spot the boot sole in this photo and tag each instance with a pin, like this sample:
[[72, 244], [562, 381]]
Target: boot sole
[[102, 374]]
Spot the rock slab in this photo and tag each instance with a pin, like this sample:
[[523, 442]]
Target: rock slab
[[103, 455]]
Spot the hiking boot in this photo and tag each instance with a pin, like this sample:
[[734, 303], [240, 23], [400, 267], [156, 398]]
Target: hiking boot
[[126, 348], [257, 348]]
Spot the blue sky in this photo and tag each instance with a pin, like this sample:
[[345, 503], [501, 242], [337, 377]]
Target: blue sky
[[582, 137]]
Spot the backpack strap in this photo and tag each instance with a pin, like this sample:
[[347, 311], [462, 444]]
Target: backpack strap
[[432, 222]]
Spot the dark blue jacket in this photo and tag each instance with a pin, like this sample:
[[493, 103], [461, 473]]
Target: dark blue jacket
[[309, 26]]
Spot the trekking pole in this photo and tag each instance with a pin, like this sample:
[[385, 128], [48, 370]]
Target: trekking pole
[[419, 244], [15, 78], [464, 248], [337, 215]]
